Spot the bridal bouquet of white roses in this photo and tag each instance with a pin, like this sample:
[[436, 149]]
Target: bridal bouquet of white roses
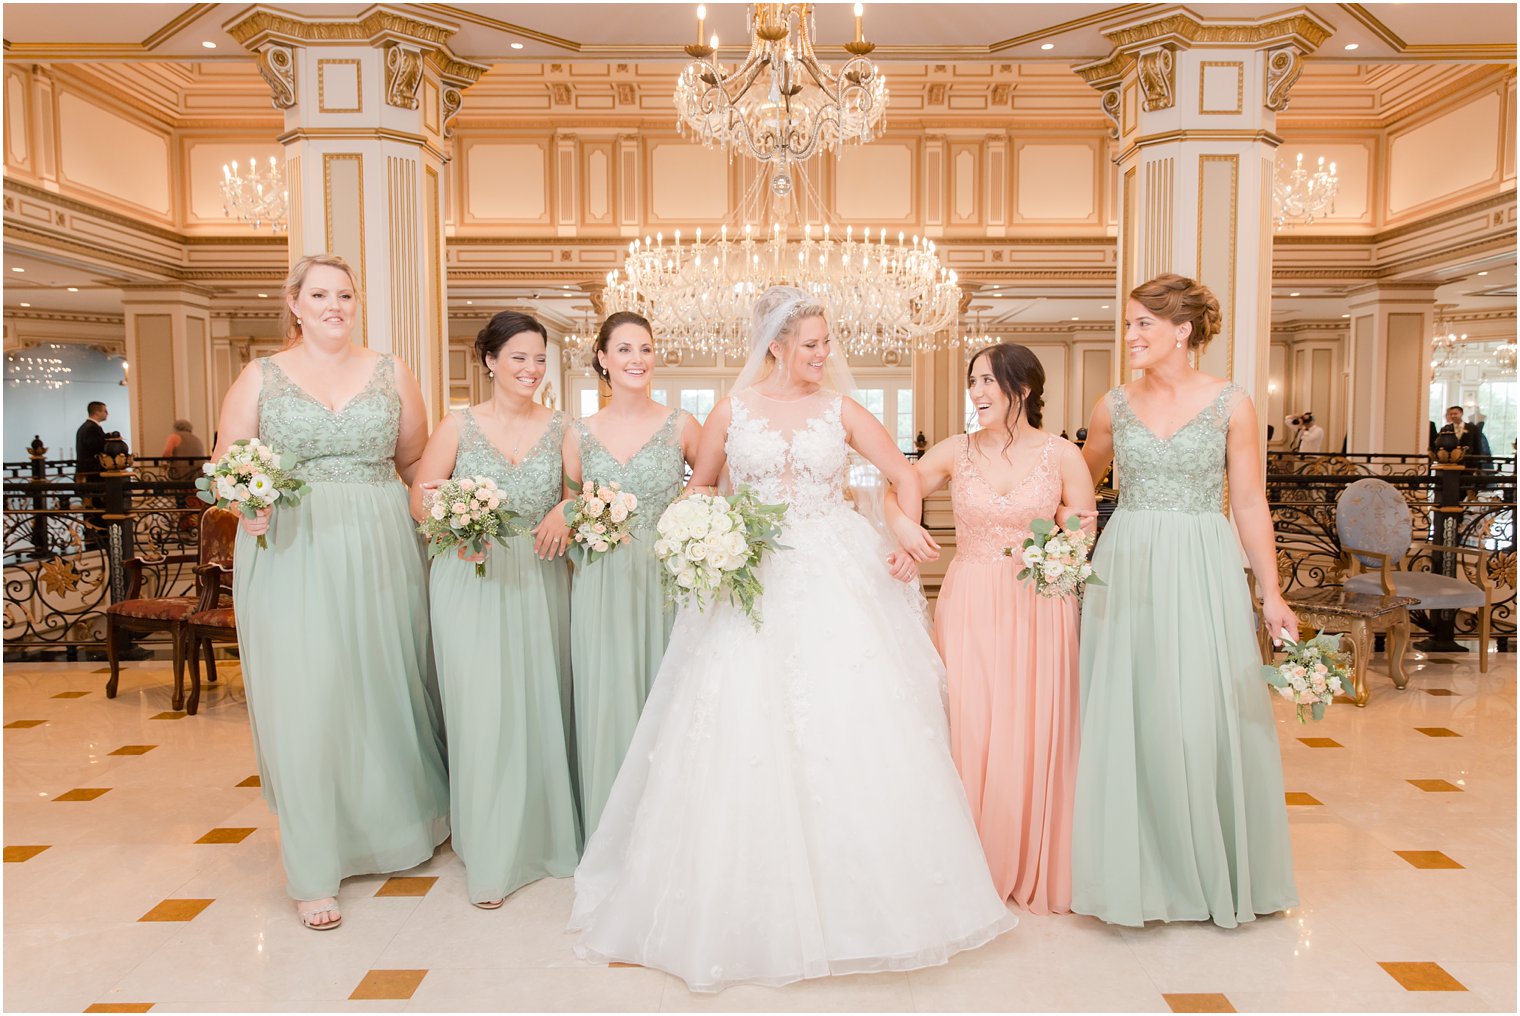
[[464, 515], [600, 517], [713, 545], [1056, 558], [248, 478], [1311, 675]]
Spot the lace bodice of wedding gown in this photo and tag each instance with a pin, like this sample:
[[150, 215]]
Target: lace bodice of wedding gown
[[793, 453]]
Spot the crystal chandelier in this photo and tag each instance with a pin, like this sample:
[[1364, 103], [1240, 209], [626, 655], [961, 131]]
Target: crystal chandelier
[[257, 195], [1299, 196], [1505, 354], [36, 370], [1444, 342], [882, 294], [780, 105]]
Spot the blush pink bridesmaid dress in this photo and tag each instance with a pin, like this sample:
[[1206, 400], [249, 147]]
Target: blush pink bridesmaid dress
[[1011, 658]]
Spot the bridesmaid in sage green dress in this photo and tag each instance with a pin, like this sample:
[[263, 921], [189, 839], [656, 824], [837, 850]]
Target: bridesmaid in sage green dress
[[332, 615], [619, 617], [1179, 799], [502, 641]]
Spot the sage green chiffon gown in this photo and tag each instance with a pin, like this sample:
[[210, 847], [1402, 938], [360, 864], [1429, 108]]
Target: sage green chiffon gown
[[333, 636], [502, 642], [619, 618], [1179, 798]]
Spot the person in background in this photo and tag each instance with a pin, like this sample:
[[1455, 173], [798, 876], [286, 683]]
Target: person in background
[[183, 443], [1308, 437], [1468, 436], [89, 443]]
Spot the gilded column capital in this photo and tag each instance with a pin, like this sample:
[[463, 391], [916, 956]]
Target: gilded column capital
[[1284, 65], [277, 66], [1156, 71], [403, 75]]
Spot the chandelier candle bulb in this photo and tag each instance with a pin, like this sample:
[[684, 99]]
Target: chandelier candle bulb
[[701, 23], [860, 11]]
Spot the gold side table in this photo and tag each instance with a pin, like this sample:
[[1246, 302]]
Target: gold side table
[[1362, 615]]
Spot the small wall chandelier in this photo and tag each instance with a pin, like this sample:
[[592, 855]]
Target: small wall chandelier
[[781, 105], [36, 370], [258, 195], [1300, 196]]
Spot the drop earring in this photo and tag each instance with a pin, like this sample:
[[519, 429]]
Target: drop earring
[[490, 373]]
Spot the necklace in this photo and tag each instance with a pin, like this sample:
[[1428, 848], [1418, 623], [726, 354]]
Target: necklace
[[515, 435]]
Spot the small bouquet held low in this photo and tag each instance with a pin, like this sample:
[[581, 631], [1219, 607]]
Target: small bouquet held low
[[712, 545], [248, 478], [1056, 558], [464, 515], [1311, 674], [601, 519]]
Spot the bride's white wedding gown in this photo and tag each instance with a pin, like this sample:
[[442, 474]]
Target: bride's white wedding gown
[[788, 807]]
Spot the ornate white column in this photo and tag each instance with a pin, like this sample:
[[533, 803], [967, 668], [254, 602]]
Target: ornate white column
[[169, 353], [368, 104], [1193, 105], [1388, 362]]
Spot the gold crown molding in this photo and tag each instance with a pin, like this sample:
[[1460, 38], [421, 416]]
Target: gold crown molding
[[1167, 137], [361, 133], [1183, 29], [1066, 26], [142, 50], [245, 315], [468, 16], [177, 24], [1444, 218], [378, 25], [157, 292], [64, 317], [1473, 316], [27, 190], [1293, 327]]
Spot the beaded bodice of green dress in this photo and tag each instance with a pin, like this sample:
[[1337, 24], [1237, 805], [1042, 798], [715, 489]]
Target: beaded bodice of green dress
[[655, 473], [532, 486], [1182, 473], [354, 444]]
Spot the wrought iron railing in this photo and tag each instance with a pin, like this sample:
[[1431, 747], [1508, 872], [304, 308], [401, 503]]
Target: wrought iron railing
[[175, 468]]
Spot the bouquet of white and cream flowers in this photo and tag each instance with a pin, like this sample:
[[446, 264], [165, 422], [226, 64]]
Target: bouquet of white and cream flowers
[[711, 545], [248, 478], [1056, 558], [464, 515], [1311, 675], [601, 519]]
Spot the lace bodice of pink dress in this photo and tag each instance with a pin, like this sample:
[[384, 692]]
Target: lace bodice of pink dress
[[985, 521]]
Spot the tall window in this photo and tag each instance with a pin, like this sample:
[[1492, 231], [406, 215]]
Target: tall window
[[1496, 401]]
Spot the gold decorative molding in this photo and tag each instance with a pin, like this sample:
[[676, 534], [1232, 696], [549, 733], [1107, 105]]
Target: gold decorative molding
[[322, 106], [1156, 70], [403, 75], [1183, 29], [1112, 98], [1391, 39], [1240, 87], [350, 133], [277, 66], [1284, 65], [452, 101]]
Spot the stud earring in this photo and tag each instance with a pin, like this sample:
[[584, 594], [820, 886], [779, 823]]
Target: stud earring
[[490, 373], [1179, 343]]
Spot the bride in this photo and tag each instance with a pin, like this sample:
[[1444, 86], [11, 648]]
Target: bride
[[788, 807]]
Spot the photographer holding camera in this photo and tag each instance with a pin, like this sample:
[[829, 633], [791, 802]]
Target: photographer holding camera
[[1308, 436]]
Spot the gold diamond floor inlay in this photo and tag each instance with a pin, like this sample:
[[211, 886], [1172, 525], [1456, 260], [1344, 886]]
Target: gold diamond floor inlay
[[252, 781], [1199, 1003], [388, 984], [1298, 797], [17, 854], [1438, 732], [1439, 692], [1427, 859], [1320, 742], [82, 794], [24, 724], [121, 1007], [412, 885], [229, 835], [1437, 786], [134, 749], [1423, 977], [176, 910], [71, 694], [168, 715]]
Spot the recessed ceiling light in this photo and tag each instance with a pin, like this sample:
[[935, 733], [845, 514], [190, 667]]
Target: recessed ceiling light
[[1048, 45], [208, 44], [26, 305], [1353, 45], [1482, 273], [73, 289], [263, 296], [18, 269], [1076, 319], [1292, 294], [469, 303], [1345, 315], [1104, 307], [517, 45]]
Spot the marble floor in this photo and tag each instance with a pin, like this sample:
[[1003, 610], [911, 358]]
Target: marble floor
[[142, 873]]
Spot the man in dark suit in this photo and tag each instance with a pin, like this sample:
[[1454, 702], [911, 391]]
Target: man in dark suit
[[89, 443], [1468, 436]]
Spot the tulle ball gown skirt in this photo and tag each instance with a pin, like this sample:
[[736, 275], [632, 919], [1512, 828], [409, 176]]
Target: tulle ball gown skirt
[[788, 808], [1011, 658], [333, 635], [1179, 809]]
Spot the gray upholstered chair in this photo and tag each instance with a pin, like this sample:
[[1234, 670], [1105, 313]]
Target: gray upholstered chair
[[1372, 522]]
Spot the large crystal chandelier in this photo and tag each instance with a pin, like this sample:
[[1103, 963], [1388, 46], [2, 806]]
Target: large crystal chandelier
[[1444, 342], [36, 370], [256, 195], [780, 105], [1300, 196]]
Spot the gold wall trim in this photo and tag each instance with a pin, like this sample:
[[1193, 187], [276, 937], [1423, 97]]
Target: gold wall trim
[[1240, 87], [328, 158], [177, 23], [258, 26], [322, 65], [360, 133], [1234, 164]]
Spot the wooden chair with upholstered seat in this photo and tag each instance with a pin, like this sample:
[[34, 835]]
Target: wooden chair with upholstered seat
[[213, 620], [1373, 524], [138, 613]]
